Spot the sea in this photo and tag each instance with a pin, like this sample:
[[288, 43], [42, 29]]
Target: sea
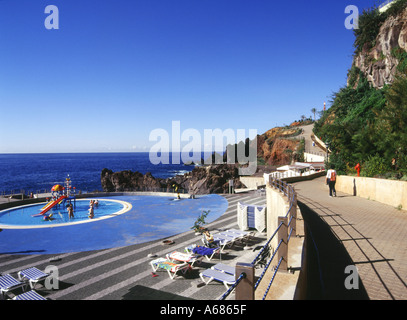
[[38, 172]]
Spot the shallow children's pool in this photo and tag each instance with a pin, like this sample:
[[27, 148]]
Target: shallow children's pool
[[29, 216], [119, 221]]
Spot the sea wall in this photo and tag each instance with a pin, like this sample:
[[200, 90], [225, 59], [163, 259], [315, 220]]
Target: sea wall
[[277, 206], [391, 192], [287, 285], [252, 182]]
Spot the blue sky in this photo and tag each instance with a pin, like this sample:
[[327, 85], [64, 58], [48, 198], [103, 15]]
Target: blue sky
[[116, 70]]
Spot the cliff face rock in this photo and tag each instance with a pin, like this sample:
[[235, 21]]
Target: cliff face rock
[[278, 146], [201, 180], [379, 64]]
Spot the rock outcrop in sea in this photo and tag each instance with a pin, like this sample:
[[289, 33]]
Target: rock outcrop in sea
[[201, 180]]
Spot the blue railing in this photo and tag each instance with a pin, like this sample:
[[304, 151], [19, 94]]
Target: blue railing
[[289, 192], [229, 291]]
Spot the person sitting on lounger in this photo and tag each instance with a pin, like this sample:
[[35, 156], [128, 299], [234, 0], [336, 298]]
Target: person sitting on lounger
[[209, 239]]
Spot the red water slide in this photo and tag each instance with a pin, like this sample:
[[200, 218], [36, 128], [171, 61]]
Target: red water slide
[[50, 206]]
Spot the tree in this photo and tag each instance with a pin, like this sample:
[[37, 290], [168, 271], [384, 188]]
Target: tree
[[393, 122], [314, 111]]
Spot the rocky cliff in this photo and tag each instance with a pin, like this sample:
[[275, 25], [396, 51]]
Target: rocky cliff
[[201, 180], [279, 146], [274, 147], [379, 60]]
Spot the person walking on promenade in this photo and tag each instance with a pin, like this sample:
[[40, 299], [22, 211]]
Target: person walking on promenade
[[331, 180]]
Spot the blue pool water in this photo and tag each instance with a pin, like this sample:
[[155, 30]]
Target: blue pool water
[[27, 216], [150, 218]]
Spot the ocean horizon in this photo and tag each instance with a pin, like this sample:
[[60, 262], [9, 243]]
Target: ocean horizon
[[37, 172]]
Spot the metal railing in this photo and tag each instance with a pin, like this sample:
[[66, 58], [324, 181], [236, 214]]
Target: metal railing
[[230, 290], [285, 230], [27, 194]]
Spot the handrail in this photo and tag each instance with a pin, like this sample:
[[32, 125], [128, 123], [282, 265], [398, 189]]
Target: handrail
[[228, 292], [267, 265], [266, 245], [288, 191], [272, 279]]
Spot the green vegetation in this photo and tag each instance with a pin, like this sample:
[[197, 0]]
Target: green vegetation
[[367, 125], [198, 226], [370, 22]]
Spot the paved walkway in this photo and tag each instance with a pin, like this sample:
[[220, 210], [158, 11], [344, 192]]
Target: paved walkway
[[124, 273], [373, 234], [309, 147]]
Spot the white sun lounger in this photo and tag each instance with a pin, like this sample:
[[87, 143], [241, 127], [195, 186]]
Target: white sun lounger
[[209, 274], [241, 233], [30, 295], [205, 251], [33, 275], [226, 239], [224, 268], [244, 235], [8, 283], [184, 257], [171, 267]]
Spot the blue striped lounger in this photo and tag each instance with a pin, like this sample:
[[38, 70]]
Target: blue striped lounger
[[30, 295], [8, 283], [33, 275]]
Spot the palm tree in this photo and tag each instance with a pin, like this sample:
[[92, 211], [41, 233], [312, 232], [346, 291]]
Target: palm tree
[[314, 111]]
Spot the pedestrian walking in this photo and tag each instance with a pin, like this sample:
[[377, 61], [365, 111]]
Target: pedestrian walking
[[331, 180]]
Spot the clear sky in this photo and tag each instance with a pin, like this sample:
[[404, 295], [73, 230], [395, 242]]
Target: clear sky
[[116, 70]]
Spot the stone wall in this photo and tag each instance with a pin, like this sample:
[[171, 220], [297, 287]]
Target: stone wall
[[391, 192]]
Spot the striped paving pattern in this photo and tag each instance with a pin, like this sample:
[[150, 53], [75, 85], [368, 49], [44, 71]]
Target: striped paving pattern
[[125, 272]]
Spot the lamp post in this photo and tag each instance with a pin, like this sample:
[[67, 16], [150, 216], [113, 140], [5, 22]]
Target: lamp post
[[327, 151]]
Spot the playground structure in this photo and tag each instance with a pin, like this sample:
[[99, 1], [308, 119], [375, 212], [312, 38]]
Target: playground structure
[[175, 186], [61, 196]]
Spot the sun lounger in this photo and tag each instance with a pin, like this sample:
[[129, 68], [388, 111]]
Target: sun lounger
[[226, 239], [242, 235], [9, 283], [224, 268], [204, 251], [30, 295], [171, 267], [33, 275], [209, 274], [184, 257]]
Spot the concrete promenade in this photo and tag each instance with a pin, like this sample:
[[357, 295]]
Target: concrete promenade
[[373, 234], [124, 273]]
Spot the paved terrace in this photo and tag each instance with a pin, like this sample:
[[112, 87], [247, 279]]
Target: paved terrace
[[125, 273], [373, 234]]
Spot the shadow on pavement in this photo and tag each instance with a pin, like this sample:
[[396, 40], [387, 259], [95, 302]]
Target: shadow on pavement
[[326, 260]]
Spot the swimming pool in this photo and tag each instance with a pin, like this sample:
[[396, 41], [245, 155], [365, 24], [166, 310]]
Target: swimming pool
[[141, 219], [26, 217]]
